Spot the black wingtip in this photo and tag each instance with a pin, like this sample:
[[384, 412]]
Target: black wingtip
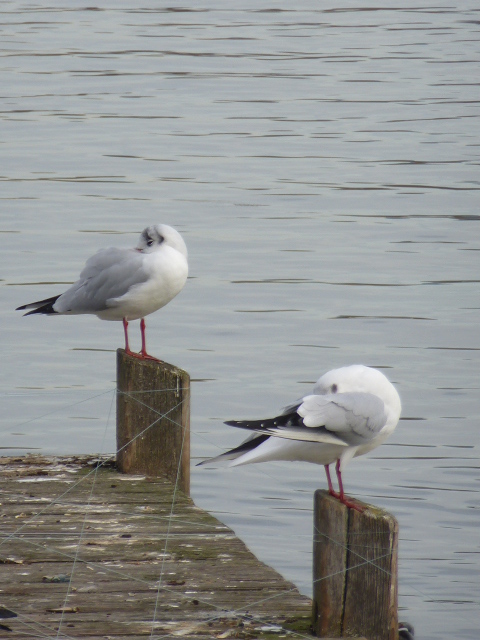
[[41, 306], [290, 419], [41, 310]]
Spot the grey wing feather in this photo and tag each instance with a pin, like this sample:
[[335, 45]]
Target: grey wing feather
[[307, 434], [107, 275], [294, 429], [356, 418]]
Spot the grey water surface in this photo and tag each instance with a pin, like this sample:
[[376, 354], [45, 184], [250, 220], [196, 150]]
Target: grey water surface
[[322, 162]]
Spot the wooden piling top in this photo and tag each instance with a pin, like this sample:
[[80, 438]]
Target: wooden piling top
[[355, 562], [107, 555], [153, 419]]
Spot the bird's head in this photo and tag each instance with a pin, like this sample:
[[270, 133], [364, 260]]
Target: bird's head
[[357, 378], [155, 237]]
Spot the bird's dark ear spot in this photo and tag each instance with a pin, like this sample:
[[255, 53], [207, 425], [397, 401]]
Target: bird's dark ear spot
[[334, 388]]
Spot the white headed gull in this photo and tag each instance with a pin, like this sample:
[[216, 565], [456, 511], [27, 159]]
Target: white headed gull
[[352, 410], [126, 284]]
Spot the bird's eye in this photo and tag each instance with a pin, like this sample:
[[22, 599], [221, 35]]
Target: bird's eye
[[334, 388], [149, 242]]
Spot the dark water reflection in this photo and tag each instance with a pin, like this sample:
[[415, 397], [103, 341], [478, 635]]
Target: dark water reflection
[[322, 164]]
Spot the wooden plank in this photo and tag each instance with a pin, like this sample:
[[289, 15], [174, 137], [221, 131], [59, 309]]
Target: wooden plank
[[125, 555], [153, 419], [355, 570]]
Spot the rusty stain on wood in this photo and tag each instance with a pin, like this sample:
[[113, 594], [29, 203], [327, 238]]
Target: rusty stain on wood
[[355, 562], [100, 546]]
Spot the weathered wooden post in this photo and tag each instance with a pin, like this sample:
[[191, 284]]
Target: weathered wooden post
[[153, 419], [355, 579]]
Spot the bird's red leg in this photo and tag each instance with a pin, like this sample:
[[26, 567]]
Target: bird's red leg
[[125, 329], [144, 344], [340, 483], [127, 345], [343, 499], [330, 485], [143, 352]]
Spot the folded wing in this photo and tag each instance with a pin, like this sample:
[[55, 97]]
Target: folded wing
[[345, 419], [107, 275], [355, 418]]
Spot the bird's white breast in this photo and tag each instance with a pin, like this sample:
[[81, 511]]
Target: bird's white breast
[[166, 273]]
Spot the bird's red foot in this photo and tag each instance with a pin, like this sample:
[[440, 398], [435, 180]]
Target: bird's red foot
[[147, 356], [334, 494], [351, 504], [141, 356]]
